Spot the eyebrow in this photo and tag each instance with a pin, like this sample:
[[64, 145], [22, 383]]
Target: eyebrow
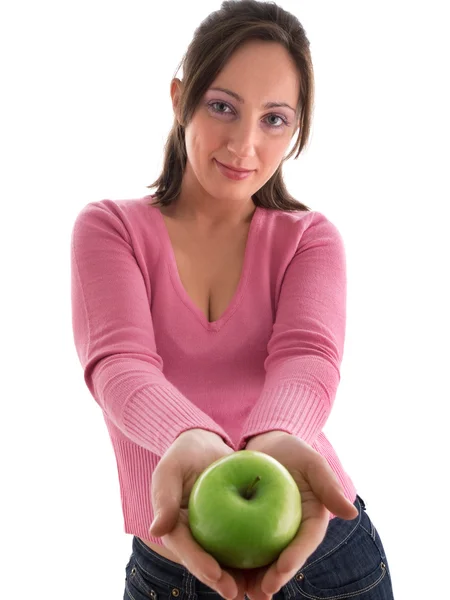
[[241, 100]]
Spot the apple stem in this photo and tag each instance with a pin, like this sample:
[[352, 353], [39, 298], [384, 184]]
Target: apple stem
[[251, 487]]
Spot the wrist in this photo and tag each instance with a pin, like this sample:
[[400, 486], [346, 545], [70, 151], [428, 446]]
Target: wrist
[[200, 436], [258, 440]]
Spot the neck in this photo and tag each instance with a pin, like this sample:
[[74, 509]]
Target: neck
[[205, 212]]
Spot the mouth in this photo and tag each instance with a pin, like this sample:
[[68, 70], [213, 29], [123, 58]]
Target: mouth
[[235, 169], [232, 174]]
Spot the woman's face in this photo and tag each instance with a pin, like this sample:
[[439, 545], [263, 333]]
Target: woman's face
[[243, 134]]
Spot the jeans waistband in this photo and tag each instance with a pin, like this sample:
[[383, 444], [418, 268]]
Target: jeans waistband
[[175, 575]]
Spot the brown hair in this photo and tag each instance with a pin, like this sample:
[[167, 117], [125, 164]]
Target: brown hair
[[216, 38]]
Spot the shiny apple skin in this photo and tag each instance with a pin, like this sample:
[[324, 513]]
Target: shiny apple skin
[[245, 533]]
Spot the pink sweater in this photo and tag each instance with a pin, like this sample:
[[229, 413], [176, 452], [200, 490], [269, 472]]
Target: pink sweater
[[157, 367]]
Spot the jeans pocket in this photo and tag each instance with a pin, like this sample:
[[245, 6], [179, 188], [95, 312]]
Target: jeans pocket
[[357, 568], [141, 583], [371, 531], [308, 585]]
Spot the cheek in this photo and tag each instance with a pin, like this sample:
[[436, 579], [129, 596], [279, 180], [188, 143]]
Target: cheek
[[201, 140], [271, 157], [194, 146], [278, 147], [271, 154]]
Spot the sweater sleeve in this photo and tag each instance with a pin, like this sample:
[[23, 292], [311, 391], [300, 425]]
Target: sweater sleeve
[[114, 336], [306, 346]]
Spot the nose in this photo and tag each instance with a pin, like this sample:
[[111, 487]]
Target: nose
[[242, 139]]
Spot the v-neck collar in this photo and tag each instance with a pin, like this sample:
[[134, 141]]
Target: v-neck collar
[[169, 255]]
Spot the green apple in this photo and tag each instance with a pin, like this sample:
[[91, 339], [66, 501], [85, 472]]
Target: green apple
[[244, 509]]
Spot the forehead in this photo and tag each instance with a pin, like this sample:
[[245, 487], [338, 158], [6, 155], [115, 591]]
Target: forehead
[[263, 71]]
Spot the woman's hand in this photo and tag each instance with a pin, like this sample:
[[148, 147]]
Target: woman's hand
[[320, 492], [173, 479]]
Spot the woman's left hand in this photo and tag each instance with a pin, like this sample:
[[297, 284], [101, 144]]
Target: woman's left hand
[[320, 493]]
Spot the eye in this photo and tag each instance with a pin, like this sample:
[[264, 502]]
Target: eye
[[277, 117], [214, 110], [211, 104]]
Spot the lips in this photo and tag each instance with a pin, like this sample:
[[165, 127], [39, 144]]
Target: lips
[[231, 173], [236, 169]]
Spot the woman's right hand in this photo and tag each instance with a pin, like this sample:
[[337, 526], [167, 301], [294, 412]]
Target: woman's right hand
[[173, 479]]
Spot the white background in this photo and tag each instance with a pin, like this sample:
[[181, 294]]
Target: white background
[[85, 109]]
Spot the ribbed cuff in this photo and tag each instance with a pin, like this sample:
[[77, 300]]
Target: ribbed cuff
[[156, 415], [290, 406]]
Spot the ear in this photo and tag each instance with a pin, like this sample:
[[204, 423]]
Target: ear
[[176, 88]]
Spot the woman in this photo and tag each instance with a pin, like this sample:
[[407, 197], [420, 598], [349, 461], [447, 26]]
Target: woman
[[210, 318]]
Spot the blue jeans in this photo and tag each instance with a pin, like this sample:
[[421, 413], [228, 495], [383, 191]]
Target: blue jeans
[[349, 563]]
